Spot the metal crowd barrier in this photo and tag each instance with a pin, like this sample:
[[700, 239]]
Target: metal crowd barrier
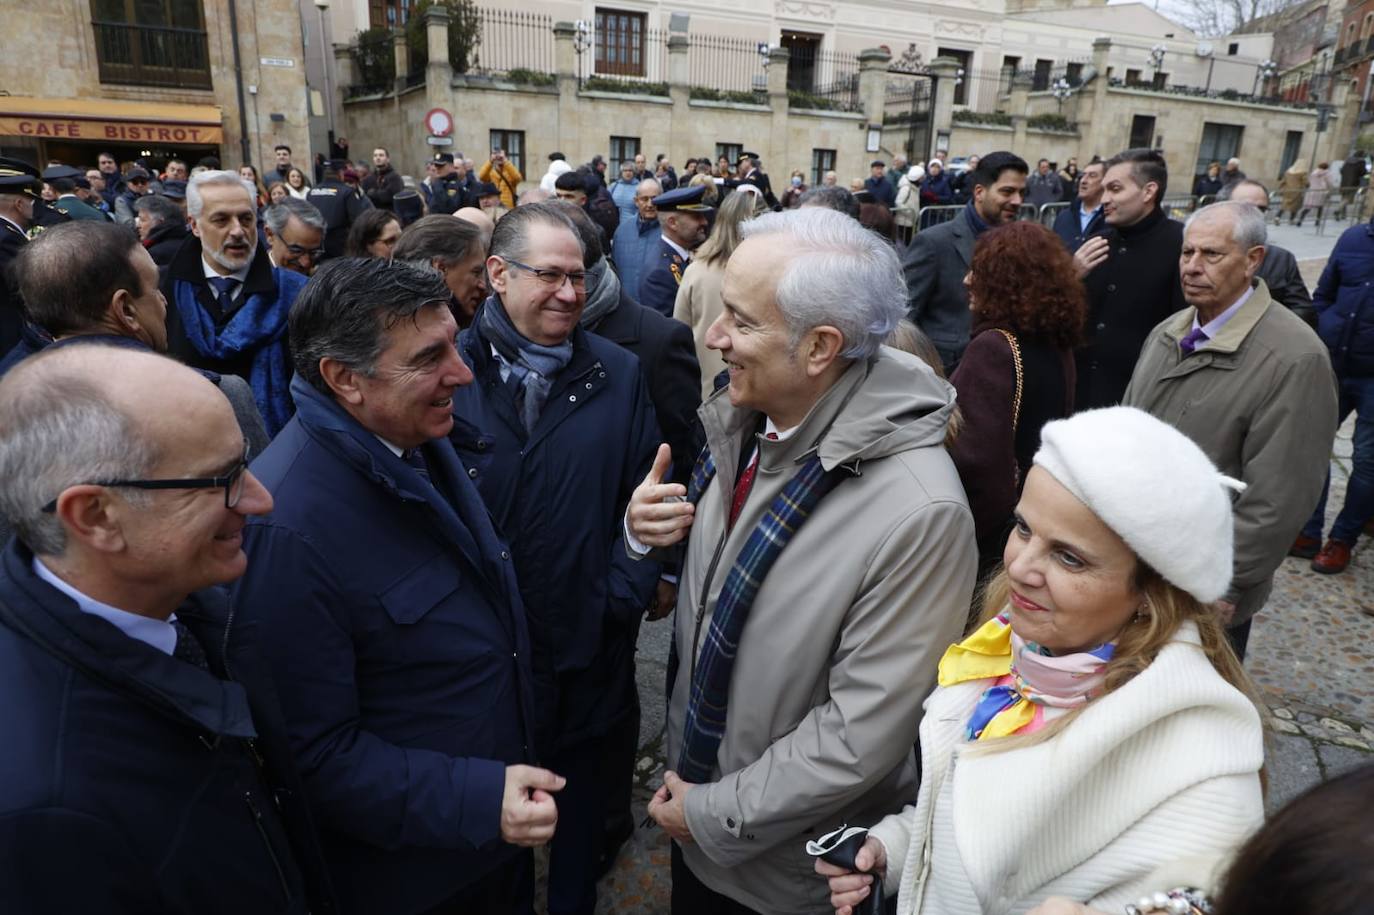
[[934, 215], [1179, 207], [1050, 212]]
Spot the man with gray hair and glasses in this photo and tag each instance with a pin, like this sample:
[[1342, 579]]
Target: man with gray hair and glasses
[[1251, 384], [556, 431], [226, 303], [147, 767], [389, 609], [294, 230], [829, 561]]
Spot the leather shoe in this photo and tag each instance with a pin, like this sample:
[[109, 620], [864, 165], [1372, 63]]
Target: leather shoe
[[1305, 547], [1333, 558]]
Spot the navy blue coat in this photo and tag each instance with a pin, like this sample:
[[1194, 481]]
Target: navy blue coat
[[399, 645], [559, 496], [660, 276], [1070, 229], [1344, 302], [130, 780]]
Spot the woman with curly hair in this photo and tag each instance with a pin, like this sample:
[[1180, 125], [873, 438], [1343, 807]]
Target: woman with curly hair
[[1018, 371]]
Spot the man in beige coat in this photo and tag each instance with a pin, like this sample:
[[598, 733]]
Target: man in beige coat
[[1252, 384], [846, 628]]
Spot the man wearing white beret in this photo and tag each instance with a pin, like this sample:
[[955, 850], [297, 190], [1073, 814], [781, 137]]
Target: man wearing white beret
[[1250, 383]]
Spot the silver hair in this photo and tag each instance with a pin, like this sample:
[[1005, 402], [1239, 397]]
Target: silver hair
[[1248, 231], [841, 274], [195, 203], [278, 215], [60, 433], [658, 188]]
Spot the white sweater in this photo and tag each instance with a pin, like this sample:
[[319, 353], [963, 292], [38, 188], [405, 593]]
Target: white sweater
[[1164, 770]]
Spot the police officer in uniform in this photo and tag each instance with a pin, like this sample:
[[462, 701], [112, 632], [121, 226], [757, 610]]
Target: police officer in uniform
[[683, 218], [750, 172], [63, 179], [22, 215], [448, 193], [339, 204]]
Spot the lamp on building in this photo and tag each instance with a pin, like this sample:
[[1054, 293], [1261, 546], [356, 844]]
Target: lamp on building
[[1061, 90], [325, 62], [1157, 57], [582, 40], [1263, 74]]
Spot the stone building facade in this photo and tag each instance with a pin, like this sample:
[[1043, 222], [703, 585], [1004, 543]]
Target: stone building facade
[[152, 79]]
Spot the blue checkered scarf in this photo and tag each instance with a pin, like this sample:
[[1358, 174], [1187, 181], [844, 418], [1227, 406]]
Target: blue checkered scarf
[[710, 689]]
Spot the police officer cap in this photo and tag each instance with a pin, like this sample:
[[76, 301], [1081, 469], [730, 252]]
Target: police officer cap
[[747, 155], [444, 157], [683, 200], [136, 174], [176, 190], [58, 172], [18, 177]]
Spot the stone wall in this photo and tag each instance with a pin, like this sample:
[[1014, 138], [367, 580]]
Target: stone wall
[[54, 56]]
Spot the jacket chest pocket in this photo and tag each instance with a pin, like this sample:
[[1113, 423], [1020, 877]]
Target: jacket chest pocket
[[408, 600]]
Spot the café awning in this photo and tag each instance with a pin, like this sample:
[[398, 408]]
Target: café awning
[[110, 120]]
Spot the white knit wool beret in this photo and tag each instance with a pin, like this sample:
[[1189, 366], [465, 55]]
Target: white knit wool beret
[[1154, 487]]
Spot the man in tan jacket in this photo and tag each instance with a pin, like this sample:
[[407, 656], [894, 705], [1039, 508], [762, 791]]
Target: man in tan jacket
[[1252, 384], [783, 728]]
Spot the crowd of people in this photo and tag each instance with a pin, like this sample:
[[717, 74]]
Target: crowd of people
[[335, 507]]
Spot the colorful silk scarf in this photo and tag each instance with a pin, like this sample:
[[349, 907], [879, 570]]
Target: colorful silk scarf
[[1038, 679]]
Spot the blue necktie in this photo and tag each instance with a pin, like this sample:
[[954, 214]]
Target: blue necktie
[[416, 459], [1190, 342], [224, 292]]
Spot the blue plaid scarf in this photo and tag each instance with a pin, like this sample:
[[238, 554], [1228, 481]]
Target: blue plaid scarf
[[710, 692]]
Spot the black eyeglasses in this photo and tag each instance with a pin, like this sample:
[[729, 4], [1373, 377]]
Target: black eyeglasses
[[232, 484], [298, 251], [553, 278]]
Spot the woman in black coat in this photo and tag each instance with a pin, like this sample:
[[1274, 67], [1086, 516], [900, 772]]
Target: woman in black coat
[[1018, 371]]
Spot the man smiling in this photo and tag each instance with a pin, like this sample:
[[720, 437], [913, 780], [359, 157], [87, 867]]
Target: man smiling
[[831, 555], [557, 430], [389, 609], [226, 303]]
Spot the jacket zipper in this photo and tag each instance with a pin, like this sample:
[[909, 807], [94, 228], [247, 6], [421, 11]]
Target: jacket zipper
[[701, 604], [267, 843]]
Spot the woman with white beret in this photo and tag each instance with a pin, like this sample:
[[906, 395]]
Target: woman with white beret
[[1094, 737]]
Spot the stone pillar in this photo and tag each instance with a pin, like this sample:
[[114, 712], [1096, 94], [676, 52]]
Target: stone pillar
[[778, 152], [565, 69], [945, 69], [1093, 120], [345, 75], [681, 132], [1018, 105], [438, 71], [873, 64], [401, 49]]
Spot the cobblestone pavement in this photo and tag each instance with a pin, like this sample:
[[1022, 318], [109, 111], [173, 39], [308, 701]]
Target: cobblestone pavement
[[1311, 653]]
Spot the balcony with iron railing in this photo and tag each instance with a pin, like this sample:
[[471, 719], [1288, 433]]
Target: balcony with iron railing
[[145, 55]]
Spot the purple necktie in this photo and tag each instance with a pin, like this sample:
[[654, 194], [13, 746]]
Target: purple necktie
[[1190, 342]]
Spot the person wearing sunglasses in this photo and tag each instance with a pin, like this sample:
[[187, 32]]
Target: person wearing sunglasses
[[567, 429], [147, 766], [294, 230]]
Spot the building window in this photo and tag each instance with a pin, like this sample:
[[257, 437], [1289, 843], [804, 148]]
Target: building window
[[1142, 132], [513, 142], [388, 14], [620, 42], [1040, 79], [1233, 49], [623, 149], [1291, 145], [965, 59], [804, 51], [1159, 80], [1074, 74], [730, 151], [1132, 77], [1219, 143], [151, 42], [822, 161]]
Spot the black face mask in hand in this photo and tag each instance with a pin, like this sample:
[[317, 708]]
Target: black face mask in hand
[[840, 848]]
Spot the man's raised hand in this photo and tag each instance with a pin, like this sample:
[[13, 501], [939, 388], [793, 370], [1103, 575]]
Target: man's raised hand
[[657, 515]]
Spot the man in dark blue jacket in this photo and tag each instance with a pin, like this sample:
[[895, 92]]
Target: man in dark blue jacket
[[390, 611], [146, 767], [1083, 217], [567, 430], [1344, 302]]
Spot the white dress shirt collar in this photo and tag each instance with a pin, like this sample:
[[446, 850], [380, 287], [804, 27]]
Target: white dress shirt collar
[[158, 633]]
